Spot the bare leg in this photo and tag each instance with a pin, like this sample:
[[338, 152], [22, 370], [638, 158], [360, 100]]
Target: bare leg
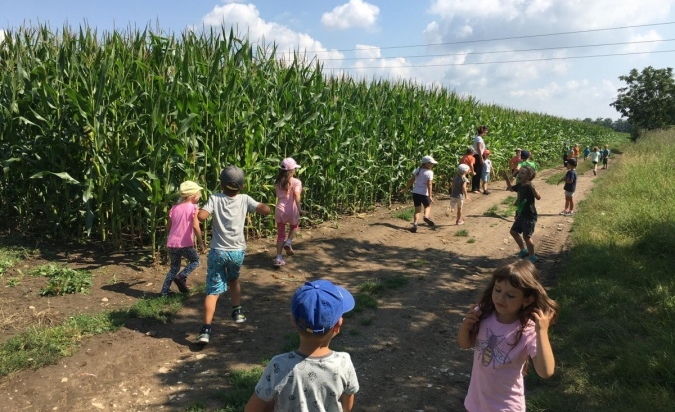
[[518, 239], [209, 308], [530, 245]]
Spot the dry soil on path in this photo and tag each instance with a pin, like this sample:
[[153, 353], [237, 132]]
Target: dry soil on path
[[404, 351]]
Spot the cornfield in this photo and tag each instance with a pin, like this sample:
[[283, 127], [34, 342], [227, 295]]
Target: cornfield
[[97, 130]]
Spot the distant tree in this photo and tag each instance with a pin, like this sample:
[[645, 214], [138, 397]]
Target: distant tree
[[648, 102]]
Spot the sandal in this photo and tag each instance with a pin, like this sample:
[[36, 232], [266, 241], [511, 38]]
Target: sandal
[[279, 262], [289, 249]]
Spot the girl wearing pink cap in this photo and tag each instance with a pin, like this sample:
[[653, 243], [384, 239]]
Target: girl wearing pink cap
[[288, 209]]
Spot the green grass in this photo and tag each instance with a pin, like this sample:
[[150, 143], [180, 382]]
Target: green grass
[[406, 214], [39, 347], [63, 280], [242, 382], [614, 342], [462, 233], [10, 256]]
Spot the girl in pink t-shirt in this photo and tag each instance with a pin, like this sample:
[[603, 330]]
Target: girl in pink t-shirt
[[288, 209], [507, 328], [183, 226]]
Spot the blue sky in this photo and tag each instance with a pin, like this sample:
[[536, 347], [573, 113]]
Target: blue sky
[[505, 52]]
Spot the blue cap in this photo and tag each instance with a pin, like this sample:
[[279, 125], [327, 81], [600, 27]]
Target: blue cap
[[318, 306], [525, 154]]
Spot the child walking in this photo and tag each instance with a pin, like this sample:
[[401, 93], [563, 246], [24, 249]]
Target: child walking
[[313, 374], [422, 193], [288, 209], [508, 327], [587, 152], [183, 226], [459, 191], [605, 156], [228, 244], [526, 212], [487, 171], [570, 180], [595, 157], [469, 160]]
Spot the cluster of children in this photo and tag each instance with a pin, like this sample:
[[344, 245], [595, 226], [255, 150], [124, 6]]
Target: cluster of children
[[507, 328]]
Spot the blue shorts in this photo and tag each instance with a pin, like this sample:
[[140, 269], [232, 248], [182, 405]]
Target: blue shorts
[[222, 266]]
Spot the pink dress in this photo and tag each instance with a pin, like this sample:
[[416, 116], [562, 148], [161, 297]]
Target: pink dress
[[287, 210]]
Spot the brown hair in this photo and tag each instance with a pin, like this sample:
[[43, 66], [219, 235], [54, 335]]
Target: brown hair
[[524, 276], [283, 180]]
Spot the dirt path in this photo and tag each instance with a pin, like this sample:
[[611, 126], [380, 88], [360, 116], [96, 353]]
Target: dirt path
[[404, 351]]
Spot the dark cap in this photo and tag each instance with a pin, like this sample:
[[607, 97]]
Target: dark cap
[[232, 178], [525, 154]]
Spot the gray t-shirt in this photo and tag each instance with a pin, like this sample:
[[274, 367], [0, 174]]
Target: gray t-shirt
[[303, 384], [457, 185], [228, 216]]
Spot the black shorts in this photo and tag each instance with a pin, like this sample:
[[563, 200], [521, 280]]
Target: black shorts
[[604, 161], [524, 225], [419, 200]]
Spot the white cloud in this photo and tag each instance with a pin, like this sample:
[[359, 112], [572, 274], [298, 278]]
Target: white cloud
[[2, 35], [245, 20], [644, 42], [364, 51], [356, 13]]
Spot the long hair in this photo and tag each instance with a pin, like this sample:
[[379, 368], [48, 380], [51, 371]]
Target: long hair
[[524, 276], [283, 180], [482, 129]]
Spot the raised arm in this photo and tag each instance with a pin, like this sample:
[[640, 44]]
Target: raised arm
[[544, 362]]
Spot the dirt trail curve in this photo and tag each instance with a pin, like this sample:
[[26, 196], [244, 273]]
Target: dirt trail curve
[[404, 351]]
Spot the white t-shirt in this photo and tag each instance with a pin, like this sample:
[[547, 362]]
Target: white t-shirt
[[422, 178], [304, 384], [476, 141]]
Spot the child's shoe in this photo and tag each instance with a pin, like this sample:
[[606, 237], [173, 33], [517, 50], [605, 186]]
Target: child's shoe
[[533, 258], [204, 335], [279, 262], [238, 316], [569, 213], [413, 229], [429, 222], [486, 192], [288, 248], [180, 282], [460, 222], [523, 253], [564, 212]]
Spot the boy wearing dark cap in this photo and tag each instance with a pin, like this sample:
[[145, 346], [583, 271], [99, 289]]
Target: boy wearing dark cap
[[526, 160], [313, 377], [228, 244]]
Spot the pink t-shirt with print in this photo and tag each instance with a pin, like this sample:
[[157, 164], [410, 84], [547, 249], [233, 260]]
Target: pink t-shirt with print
[[497, 382], [182, 232], [287, 211]]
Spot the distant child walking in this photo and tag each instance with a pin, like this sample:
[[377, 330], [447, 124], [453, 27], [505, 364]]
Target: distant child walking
[[587, 152], [228, 244], [507, 328], [469, 160], [526, 212], [595, 157], [459, 191], [605, 156], [183, 226], [570, 180], [487, 171], [288, 210], [478, 149], [513, 163], [313, 377], [422, 190]]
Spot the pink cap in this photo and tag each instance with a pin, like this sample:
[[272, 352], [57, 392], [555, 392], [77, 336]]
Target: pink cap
[[289, 164]]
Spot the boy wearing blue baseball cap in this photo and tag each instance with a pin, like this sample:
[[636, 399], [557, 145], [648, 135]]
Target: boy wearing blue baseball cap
[[313, 377]]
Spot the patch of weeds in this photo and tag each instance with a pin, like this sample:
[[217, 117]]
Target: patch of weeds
[[63, 280], [113, 280], [362, 301], [366, 321], [354, 332], [12, 282], [462, 233], [510, 200], [242, 384], [396, 281], [496, 211], [371, 286], [160, 309], [10, 256], [417, 263], [472, 240], [405, 214]]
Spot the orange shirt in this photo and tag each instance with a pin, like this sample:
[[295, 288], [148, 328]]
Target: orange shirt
[[576, 151], [468, 160], [513, 163]]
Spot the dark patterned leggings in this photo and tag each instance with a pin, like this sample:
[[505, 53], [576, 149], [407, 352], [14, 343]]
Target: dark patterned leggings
[[176, 254]]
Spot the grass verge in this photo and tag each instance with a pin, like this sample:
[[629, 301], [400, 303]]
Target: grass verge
[[614, 342]]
